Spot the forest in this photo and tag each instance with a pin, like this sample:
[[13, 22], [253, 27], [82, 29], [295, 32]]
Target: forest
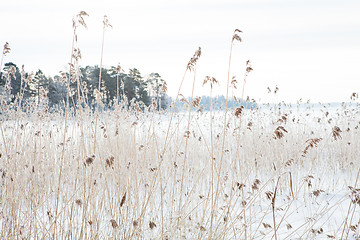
[[116, 86]]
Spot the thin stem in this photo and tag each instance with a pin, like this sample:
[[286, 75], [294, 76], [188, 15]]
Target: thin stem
[[117, 88], [64, 137], [186, 143], [222, 145], [348, 212], [99, 88], [273, 207]]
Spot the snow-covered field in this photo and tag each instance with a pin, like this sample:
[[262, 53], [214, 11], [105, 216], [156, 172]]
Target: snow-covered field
[[288, 173]]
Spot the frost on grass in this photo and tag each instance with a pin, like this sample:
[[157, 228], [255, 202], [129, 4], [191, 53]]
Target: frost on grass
[[290, 171]]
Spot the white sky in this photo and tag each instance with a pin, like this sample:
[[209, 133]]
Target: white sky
[[310, 49]]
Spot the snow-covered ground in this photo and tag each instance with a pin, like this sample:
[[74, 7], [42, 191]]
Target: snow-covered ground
[[283, 173]]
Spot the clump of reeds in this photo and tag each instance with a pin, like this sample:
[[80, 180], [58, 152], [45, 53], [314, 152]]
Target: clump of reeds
[[139, 173]]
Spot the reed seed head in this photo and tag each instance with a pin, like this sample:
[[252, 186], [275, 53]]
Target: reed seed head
[[336, 133], [6, 49], [106, 22]]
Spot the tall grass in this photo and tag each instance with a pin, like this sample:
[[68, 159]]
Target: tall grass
[[274, 172]]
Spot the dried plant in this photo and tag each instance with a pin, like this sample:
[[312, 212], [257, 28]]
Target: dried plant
[[311, 143], [276, 90], [109, 162], [240, 186], [283, 118], [247, 71], [79, 19], [153, 104], [118, 71], [234, 82], [76, 55], [255, 185], [353, 228], [138, 192], [266, 225], [123, 199], [137, 108], [135, 224], [236, 35], [196, 102], [105, 25], [355, 195], [317, 193], [152, 225], [187, 134], [249, 125], [183, 99], [6, 49], [308, 179], [289, 162], [279, 132], [193, 60], [114, 224], [336, 133], [273, 207], [89, 160], [238, 111], [269, 195], [248, 66], [354, 96], [78, 202], [211, 80], [318, 231], [106, 22], [164, 88]]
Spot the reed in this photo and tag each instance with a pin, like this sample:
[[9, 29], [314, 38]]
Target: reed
[[134, 172]]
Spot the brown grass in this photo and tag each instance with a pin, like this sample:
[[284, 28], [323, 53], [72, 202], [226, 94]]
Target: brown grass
[[140, 173]]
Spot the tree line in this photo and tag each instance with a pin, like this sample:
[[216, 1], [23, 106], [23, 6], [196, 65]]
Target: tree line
[[115, 86], [217, 103]]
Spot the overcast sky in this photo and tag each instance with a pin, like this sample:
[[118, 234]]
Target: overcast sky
[[310, 49]]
